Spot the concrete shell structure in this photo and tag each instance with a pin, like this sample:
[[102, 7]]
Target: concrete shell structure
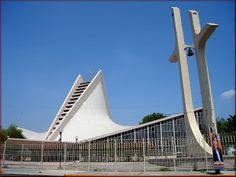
[[85, 112], [86, 115]]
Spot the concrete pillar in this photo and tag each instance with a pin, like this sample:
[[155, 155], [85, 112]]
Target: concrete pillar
[[179, 55], [200, 37]]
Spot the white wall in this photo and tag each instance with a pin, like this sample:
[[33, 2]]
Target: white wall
[[92, 119]]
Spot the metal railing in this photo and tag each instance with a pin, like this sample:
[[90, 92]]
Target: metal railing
[[174, 154]]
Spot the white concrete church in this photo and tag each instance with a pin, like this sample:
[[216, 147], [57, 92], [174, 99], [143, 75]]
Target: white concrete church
[[85, 111]]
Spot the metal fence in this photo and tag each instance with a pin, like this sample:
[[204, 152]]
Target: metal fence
[[174, 154]]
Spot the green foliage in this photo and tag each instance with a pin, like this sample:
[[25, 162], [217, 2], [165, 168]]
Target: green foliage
[[152, 117], [12, 132], [226, 125], [165, 169]]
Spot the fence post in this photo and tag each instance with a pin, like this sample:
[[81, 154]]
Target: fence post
[[144, 157], [4, 153], [42, 147], [174, 144], [89, 156], [115, 152], [188, 149], [205, 152], [21, 158], [115, 156], [174, 151], [161, 140], [64, 156], [107, 150]]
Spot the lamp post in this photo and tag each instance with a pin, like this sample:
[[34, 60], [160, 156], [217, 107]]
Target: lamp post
[[76, 139], [60, 140]]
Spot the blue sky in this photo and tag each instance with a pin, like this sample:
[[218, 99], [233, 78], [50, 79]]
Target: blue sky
[[45, 45]]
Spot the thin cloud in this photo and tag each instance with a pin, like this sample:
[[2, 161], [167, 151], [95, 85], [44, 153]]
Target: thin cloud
[[228, 94]]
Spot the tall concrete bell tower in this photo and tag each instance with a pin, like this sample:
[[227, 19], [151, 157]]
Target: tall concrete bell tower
[[200, 37]]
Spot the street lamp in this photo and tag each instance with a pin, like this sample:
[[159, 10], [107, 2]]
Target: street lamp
[[60, 133], [60, 140], [76, 139]]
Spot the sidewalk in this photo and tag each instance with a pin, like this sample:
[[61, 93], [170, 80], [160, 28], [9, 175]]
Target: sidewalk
[[45, 172]]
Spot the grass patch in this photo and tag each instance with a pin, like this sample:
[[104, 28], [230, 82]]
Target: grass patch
[[165, 169]]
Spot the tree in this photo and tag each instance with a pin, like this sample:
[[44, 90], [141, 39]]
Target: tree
[[12, 132], [226, 125], [152, 117]]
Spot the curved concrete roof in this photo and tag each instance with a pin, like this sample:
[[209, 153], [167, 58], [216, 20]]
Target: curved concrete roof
[[32, 135], [84, 114]]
